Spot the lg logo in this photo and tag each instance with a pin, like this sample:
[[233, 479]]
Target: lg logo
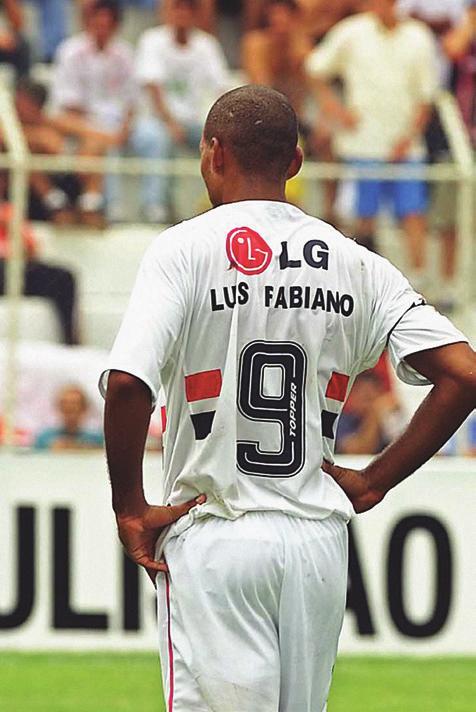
[[248, 251]]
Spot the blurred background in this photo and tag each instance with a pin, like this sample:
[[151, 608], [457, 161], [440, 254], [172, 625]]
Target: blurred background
[[101, 109]]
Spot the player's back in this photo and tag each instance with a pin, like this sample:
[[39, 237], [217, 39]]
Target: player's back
[[255, 318], [272, 333]]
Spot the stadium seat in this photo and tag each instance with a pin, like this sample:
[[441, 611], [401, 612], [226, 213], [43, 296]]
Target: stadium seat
[[37, 322]]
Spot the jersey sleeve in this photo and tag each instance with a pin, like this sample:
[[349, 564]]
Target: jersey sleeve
[[401, 320], [153, 321], [419, 329]]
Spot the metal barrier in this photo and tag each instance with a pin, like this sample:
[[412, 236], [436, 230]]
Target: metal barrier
[[20, 163]]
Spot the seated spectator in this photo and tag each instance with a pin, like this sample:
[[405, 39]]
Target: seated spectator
[[41, 279], [53, 197], [183, 70], [21, 438], [388, 89], [14, 49], [72, 408], [371, 418], [94, 78]]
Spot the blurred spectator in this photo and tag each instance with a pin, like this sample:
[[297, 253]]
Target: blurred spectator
[[53, 21], [14, 49], [463, 442], [371, 418], [53, 196], [21, 438], [472, 437], [321, 15], [72, 407], [388, 70], [183, 70], [206, 12], [275, 55], [94, 78], [40, 279], [460, 46], [440, 16]]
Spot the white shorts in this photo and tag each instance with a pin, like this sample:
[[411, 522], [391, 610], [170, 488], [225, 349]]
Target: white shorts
[[250, 613]]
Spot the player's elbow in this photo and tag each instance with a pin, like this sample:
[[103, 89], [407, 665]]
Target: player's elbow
[[123, 386], [464, 384]]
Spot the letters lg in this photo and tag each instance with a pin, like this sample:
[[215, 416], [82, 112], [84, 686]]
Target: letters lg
[[315, 253]]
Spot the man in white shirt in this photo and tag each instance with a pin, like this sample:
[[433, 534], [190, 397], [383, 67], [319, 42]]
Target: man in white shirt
[[255, 319], [94, 75], [387, 66], [182, 70]]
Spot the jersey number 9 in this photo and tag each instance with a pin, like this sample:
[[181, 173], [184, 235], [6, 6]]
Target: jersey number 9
[[283, 405]]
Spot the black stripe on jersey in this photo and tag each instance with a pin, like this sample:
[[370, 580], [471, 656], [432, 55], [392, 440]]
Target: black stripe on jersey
[[328, 420], [202, 424], [421, 303]]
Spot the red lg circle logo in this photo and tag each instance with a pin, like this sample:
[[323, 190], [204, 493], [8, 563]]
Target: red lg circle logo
[[248, 251]]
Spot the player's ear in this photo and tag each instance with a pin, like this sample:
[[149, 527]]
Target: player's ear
[[217, 154], [296, 163]]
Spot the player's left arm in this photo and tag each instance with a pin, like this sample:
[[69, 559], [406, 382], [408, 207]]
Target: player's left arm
[[452, 370]]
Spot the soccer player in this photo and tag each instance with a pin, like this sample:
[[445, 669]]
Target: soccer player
[[255, 318]]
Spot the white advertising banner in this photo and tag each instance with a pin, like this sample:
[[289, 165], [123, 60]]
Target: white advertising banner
[[65, 584]]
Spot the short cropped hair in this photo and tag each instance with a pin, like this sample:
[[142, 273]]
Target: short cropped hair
[[114, 7], [259, 126]]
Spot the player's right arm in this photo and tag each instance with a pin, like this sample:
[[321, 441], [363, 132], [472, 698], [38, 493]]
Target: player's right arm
[[452, 370], [149, 333]]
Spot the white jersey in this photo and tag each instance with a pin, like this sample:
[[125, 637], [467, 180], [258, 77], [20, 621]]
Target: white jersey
[[255, 319]]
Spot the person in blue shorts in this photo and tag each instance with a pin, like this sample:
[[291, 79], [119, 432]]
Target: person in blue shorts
[[386, 64]]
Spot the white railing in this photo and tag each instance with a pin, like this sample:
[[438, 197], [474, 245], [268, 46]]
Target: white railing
[[20, 163]]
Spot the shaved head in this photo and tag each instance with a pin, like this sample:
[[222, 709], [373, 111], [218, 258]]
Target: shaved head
[[258, 126]]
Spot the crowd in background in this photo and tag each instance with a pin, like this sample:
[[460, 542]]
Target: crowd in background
[[137, 78], [361, 74]]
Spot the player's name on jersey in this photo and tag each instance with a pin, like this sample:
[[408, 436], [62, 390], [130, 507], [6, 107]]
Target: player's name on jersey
[[284, 297]]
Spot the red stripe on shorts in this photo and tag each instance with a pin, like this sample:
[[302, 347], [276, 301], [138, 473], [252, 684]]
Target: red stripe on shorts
[[171, 650], [163, 418], [337, 387], [199, 386]]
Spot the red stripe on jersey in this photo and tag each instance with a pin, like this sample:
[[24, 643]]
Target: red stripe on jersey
[[199, 386], [337, 387], [170, 647], [163, 418]]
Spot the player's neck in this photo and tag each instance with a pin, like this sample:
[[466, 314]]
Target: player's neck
[[244, 188]]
